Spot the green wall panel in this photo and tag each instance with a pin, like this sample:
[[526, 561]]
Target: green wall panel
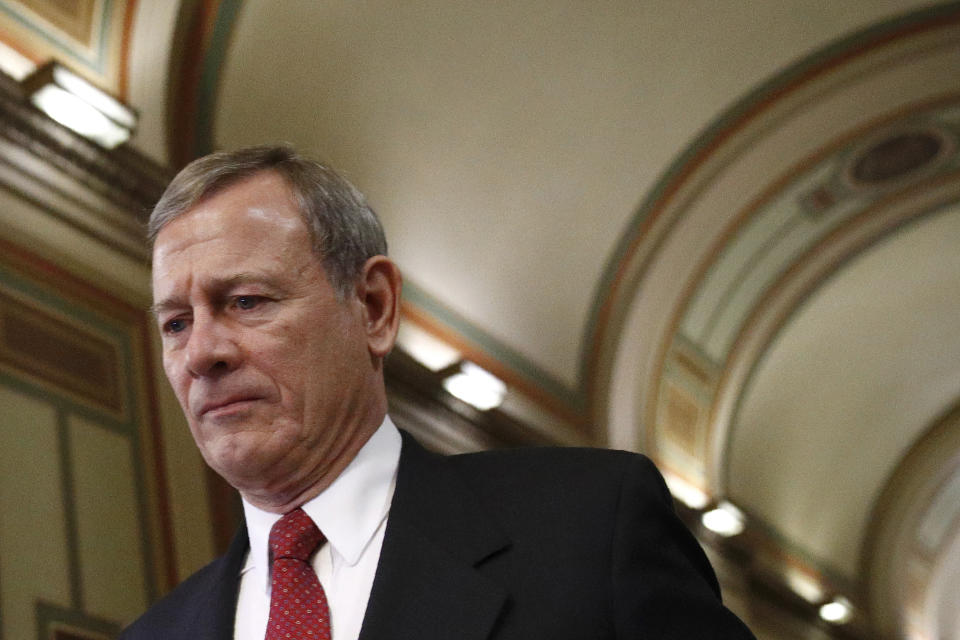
[[34, 542]]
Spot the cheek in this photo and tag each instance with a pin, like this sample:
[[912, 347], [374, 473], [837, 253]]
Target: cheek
[[312, 371], [296, 356], [178, 381]]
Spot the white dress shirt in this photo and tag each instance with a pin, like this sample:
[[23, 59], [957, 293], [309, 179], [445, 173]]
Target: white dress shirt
[[352, 514]]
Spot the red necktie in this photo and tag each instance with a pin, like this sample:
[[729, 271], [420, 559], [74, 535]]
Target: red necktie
[[298, 605]]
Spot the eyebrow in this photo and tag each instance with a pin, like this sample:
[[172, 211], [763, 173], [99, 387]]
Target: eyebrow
[[216, 285], [160, 307]]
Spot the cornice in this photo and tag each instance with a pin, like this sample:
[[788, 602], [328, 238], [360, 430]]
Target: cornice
[[125, 182]]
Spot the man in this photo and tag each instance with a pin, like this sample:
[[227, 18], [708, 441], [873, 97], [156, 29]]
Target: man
[[277, 306]]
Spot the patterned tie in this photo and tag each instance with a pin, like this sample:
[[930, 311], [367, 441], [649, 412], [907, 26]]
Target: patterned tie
[[298, 605]]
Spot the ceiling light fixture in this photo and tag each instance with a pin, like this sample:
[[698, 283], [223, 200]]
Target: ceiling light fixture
[[725, 520], [78, 105], [839, 611], [476, 386]]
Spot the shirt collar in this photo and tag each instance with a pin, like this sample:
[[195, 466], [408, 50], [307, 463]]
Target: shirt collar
[[349, 511]]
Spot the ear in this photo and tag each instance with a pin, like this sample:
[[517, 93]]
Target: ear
[[379, 291]]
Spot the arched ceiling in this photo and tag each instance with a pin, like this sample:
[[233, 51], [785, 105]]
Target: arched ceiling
[[857, 375], [672, 227], [722, 233], [537, 126], [783, 270]]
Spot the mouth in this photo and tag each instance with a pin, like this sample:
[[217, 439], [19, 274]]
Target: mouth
[[226, 406]]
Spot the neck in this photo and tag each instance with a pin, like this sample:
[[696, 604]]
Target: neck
[[298, 490]]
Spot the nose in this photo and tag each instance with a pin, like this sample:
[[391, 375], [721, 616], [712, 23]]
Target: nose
[[212, 349]]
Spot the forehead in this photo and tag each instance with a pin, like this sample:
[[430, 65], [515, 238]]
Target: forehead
[[254, 222]]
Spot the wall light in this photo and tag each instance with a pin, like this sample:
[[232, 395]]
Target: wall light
[[476, 386], [839, 611], [725, 520], [80, 106]]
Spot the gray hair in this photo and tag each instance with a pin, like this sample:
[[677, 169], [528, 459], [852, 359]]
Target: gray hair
[[344, 230]]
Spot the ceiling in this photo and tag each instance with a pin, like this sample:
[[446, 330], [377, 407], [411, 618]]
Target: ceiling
[[721, 233]]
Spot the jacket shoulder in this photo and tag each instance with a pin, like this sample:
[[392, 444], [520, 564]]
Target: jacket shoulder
[[203, 602], [171, 615], [560, 464], [555, 480]]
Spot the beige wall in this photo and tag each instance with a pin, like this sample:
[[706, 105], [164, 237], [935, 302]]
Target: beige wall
[[102, 498]]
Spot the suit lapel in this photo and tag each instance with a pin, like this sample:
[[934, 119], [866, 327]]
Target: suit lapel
[[214, 607], [430, 581]]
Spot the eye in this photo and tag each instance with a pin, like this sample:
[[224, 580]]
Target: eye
[[174, 326], [245, 303]]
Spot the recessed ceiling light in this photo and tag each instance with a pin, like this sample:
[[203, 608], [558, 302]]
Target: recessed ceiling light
[[685, 492], [725, 520], [476, 386], [839, 611], [804, 586]]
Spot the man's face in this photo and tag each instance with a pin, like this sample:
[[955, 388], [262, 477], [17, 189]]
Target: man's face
[[271, 368]]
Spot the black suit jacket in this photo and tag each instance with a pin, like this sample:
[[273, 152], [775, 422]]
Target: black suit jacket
[[523, 544]]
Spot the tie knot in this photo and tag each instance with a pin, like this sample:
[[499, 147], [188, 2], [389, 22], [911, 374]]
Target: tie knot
[[295, 536]]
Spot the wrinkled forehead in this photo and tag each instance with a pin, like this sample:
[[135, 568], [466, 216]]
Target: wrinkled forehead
[[267, 191], [253, 225]]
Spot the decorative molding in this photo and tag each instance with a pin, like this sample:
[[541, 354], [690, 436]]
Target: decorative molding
[[419, 403], [852, 217], [897, 561], [106, 194], [202, 37], [680, 438], [435, 317], [551, 411], [65, 354], [732, 132], [846, 226], [58, 623], [92, 37], [112, 335]]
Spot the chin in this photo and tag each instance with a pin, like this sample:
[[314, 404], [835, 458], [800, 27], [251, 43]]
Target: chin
[[240, 458]]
